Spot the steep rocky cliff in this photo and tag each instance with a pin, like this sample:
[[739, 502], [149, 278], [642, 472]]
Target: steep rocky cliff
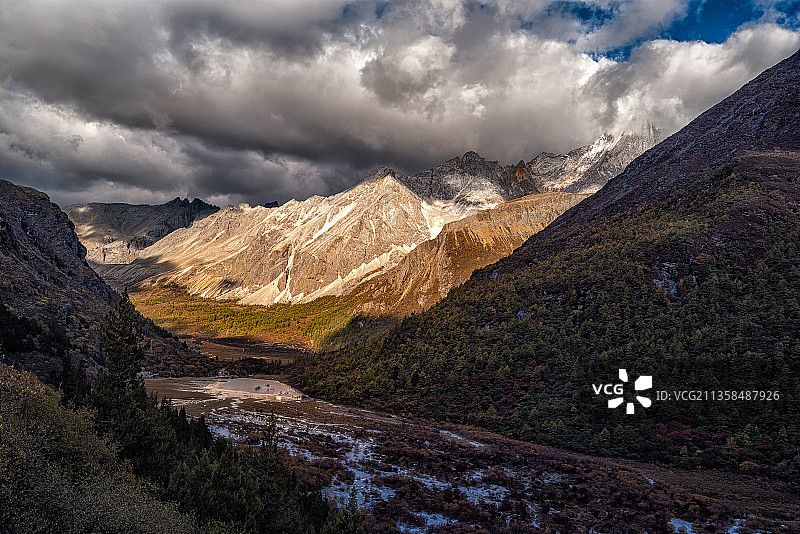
[[49, 295], [114, 233]]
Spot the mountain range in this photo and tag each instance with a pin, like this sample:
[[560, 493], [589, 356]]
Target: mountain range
[[357, 239], [683, 268]]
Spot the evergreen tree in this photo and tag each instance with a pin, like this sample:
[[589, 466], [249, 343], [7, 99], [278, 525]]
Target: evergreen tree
[[143, 434], [72, 382], [347, 521], [119, 385]]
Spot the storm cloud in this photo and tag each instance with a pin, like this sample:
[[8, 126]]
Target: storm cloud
[[258, 101]]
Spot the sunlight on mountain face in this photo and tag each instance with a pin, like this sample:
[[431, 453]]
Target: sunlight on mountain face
[[585, 322], [331, 246]]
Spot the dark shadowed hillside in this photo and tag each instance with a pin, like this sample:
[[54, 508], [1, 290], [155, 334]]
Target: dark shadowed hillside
[[49, 296]]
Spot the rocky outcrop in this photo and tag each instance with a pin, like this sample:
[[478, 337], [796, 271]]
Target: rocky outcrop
[[471, 180], [589, 168], [49, 295], [428, 272], [114, 233]]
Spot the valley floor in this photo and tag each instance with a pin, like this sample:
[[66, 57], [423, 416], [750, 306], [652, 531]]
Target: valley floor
[[236, 348], [418, 475], [414, 475]]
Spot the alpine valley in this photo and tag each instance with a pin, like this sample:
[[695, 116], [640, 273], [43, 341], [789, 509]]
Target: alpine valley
[[432, 352], [685, 267]]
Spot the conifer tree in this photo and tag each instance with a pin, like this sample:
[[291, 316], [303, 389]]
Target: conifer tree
[[72, 382], [119, 385]]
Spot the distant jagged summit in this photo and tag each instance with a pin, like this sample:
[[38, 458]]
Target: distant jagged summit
[[113, 233], [469, 179], [474, 180], [195, 206], [589, 168]]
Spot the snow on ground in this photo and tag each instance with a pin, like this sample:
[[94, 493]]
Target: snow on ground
[[461, 438], [430, 520], [490, 493], [679, 524], [737, 524], [437, 213]]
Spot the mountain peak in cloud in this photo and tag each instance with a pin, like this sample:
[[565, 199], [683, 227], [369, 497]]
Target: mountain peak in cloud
[[246, 101]]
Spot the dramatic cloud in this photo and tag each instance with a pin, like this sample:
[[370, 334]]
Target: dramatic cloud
[[258, 101]]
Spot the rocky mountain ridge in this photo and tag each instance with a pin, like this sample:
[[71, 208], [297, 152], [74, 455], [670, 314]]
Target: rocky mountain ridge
[[473, 180], [114, 233], [298, 251], [427, 273], [44, 275]]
